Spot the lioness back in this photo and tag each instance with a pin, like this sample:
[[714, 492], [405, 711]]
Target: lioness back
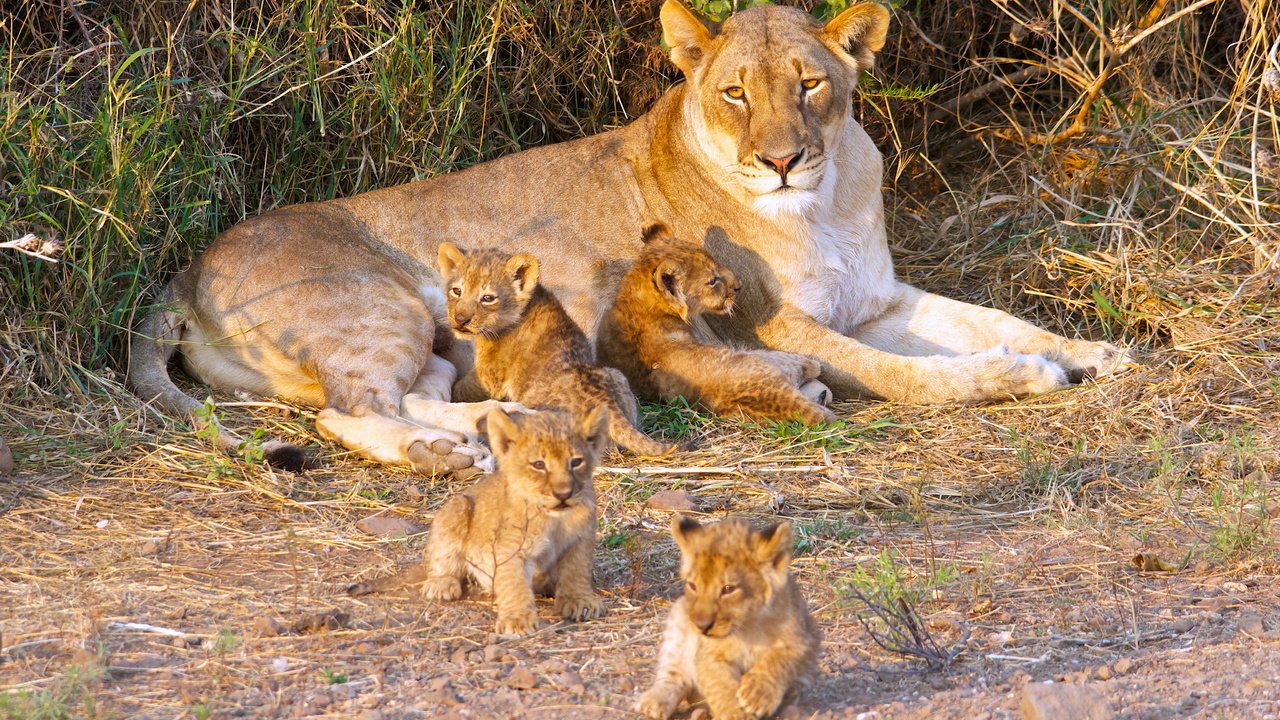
[[528, 349], [741, 635], [529, 527], [651, 334]]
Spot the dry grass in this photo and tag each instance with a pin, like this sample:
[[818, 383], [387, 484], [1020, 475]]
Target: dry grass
[[1118, 185]]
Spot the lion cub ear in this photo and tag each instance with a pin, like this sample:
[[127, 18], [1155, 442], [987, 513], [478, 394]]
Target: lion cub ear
[[773, 545], [683, 530], [656, 231], [686, 35], [523, 271], [595, 428], [503, 431], [858, 33], [668, 280], [448, 258]]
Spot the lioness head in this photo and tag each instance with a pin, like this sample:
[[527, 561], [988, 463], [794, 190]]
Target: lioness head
[[688, 281], [548, 457], [486, 290], [731, 572], [769, 93]]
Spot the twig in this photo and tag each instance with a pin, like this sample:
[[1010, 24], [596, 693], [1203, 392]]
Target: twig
[[906, 635], [143, 627]]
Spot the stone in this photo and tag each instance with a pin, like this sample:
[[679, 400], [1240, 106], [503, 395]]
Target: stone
[[6, 459], [387, 526], [1052, 701], [1122, 666], [672, 501], [1251, 625], [522, 678], [492, 652], [1104, 673], [266, 626]]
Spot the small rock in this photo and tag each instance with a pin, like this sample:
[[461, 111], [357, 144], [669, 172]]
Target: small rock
[[1251, 625], [672, 501], [1235, 587], [387, 526], [492, 652], [522, 678], [6, 459], [267, 627], [571, 682], [370, 715], [1042, 701], [1184, 624], [439, 683], [626, 685], [1122, 666], [321, 701], [414, 492], [179, 642], [552, 667], [1104, 673], [459, 656], [280, 664]]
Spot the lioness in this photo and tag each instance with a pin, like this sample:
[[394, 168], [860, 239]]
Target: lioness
[[530, 527], [756, 154]]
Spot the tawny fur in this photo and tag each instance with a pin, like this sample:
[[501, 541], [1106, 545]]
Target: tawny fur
[[332, 303], [741, 636], [528, 528], [527, 348], [651, 336]]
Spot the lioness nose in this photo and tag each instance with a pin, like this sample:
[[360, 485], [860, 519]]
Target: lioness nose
[[782, 164]]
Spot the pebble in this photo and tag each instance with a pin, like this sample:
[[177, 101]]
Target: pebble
[[522, 678], [1123, 665], [551, 667], [321, 701], [266, 626], [1051, 701], [1184, 624], [1251, 625], [388, 527], [571, 682], [492, 652], [672, 500]]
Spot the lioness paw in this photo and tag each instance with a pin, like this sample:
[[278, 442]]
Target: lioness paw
[[580, 608], [521, 623], [1000, 374], [442, 588], [1084, 359], [759, 696]]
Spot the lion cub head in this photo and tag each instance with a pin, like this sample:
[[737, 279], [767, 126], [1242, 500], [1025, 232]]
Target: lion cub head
[[687, 281], [731, 571], [768, 93], [548, 457], [487, 290]]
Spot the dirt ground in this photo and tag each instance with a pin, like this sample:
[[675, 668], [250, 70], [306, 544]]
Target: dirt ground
[[1019, 525]]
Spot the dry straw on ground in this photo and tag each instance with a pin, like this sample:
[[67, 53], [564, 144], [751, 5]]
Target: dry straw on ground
[[1104, 169]]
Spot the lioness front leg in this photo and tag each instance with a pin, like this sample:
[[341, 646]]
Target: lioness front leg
[[920, 323], [852, 368]]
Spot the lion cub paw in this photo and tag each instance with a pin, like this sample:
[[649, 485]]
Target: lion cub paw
[[657, 704], [759, 697], [580, 607], [518, 623], [442, 588]]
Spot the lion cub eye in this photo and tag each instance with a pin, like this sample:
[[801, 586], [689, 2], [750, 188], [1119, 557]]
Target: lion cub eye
[[488, 299], [735, 93], [713, 281], [728, 589], [538, 465], [456, 291], [691, 586], [810, 84], [575, 463]]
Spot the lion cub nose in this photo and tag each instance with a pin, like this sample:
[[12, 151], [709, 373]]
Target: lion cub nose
[[782, 165], [563, 495]]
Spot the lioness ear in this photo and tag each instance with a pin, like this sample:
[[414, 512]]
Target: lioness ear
[[502, 430], [595, 427], [668, 279], [685, 34], [858, 33], [655, 231], [773, 545], [683, 529], [523, 271], [449, 257]]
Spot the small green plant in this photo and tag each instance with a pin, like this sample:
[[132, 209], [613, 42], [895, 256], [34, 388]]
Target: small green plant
[[828, 435], [226, 641], [811, 537], [207, 418], [869, 86], [674, 419], [202, 711], [886, 583], [332, 677], [718, 10], [251, 449], [70, 697]]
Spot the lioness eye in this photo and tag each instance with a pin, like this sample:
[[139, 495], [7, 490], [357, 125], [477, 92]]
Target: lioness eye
[[810, 84], [455, 291], [488, 299], [734, 93], [538, 465], [691, 586], [728, 589], [575, 463]]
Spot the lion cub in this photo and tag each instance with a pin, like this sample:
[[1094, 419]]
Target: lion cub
[[528, 349], [649, 335], [741, 636], [530, 527]]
